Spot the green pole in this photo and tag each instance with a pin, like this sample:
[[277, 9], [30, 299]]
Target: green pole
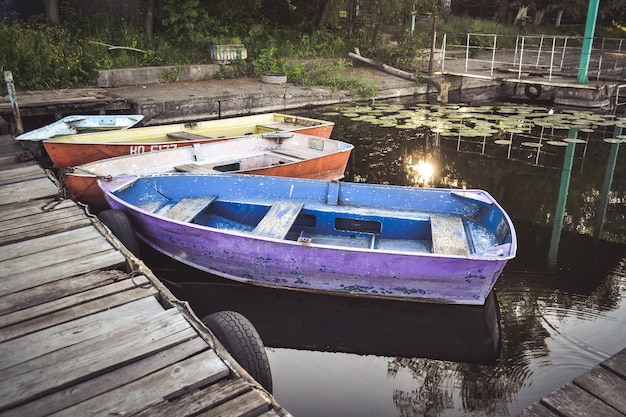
[[590, 28], [606, 188], [561, 202]]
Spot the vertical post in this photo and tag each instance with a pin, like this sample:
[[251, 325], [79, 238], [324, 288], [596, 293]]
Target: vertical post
[[8, 78], [432, 44], [585, 55], [493, 54], [566, 174], [539, 52], [443, 52], [552, 58], [521, 60], [606, 188], [467, 51], [563, 53]]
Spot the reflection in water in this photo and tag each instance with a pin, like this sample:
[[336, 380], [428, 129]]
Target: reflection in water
[[342, 357]]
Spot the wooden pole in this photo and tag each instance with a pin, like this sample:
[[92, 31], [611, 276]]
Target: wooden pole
[[19, 127], [606, 188]]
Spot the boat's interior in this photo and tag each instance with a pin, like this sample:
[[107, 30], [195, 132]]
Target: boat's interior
[[318, 223]]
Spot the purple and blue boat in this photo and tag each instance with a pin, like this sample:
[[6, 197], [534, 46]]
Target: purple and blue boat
[[352, 239]]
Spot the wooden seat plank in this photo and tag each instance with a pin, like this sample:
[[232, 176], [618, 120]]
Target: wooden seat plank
[[251, 403], [448, 235], [188, 208], [188, 136], [279, 219], [195, 168]]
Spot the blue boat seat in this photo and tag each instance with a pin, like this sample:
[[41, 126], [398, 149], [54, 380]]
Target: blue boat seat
[[188, 208], [448, 235], [279, 219]]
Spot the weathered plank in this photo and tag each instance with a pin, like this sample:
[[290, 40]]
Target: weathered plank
[[92, 357], [249, 404], [198, 401], [279, 219], [73, 300], [28, 190], [192, 373], [47, 243], [19, 281], [39, 219], [68, 333], [605, 385], [93, 387], [21, 173], [617, 363], [448, 235], [28, 208], [189, 136], [57, 289], [188, 208], [537, 410], [571, 400], [101, 304]]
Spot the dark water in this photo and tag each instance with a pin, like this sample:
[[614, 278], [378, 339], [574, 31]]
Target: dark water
[[553, 316]]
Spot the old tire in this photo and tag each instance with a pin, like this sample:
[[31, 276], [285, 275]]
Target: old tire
[[533, 91], [243, 342], [118, 222]]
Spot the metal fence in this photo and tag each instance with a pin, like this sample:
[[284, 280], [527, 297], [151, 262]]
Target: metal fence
[[545, 55]]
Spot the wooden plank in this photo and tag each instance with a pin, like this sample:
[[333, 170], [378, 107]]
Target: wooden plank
[[605, 385], [65, 302], [47, 243], [127, 341], [197, 401], [21, 173], [249, 404], [189, 136], [57, 289], [537, 410], [571, 400], [29, 208], [192, 373], [617, 363], [28, 190], [41, 260], [188, 208], [448, 235], [195, 168], [91, 388], [83, 264], [61, 335], [75, 312], [40, 220], [34, 231], [279, 219]]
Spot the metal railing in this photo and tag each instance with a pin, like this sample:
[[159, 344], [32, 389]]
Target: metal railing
[[546, 55]]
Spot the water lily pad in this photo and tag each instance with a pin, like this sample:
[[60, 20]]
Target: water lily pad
[[556, 143]]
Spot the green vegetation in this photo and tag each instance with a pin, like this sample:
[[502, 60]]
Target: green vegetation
[[277, 35]]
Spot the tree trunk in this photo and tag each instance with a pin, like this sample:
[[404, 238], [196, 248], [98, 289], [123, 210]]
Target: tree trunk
[[323, 14], [148, 22], [559, 15], [52, 11], [501, 11], [539, 16]]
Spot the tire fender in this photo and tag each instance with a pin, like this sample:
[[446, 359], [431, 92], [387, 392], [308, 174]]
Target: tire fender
[[243, 342], [532, 91], [120, 225]]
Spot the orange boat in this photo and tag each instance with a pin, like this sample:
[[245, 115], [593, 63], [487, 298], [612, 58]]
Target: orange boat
[[74, 150], [282, 154]]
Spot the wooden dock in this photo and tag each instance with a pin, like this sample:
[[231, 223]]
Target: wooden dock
[[599, 392], [86, 329]]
